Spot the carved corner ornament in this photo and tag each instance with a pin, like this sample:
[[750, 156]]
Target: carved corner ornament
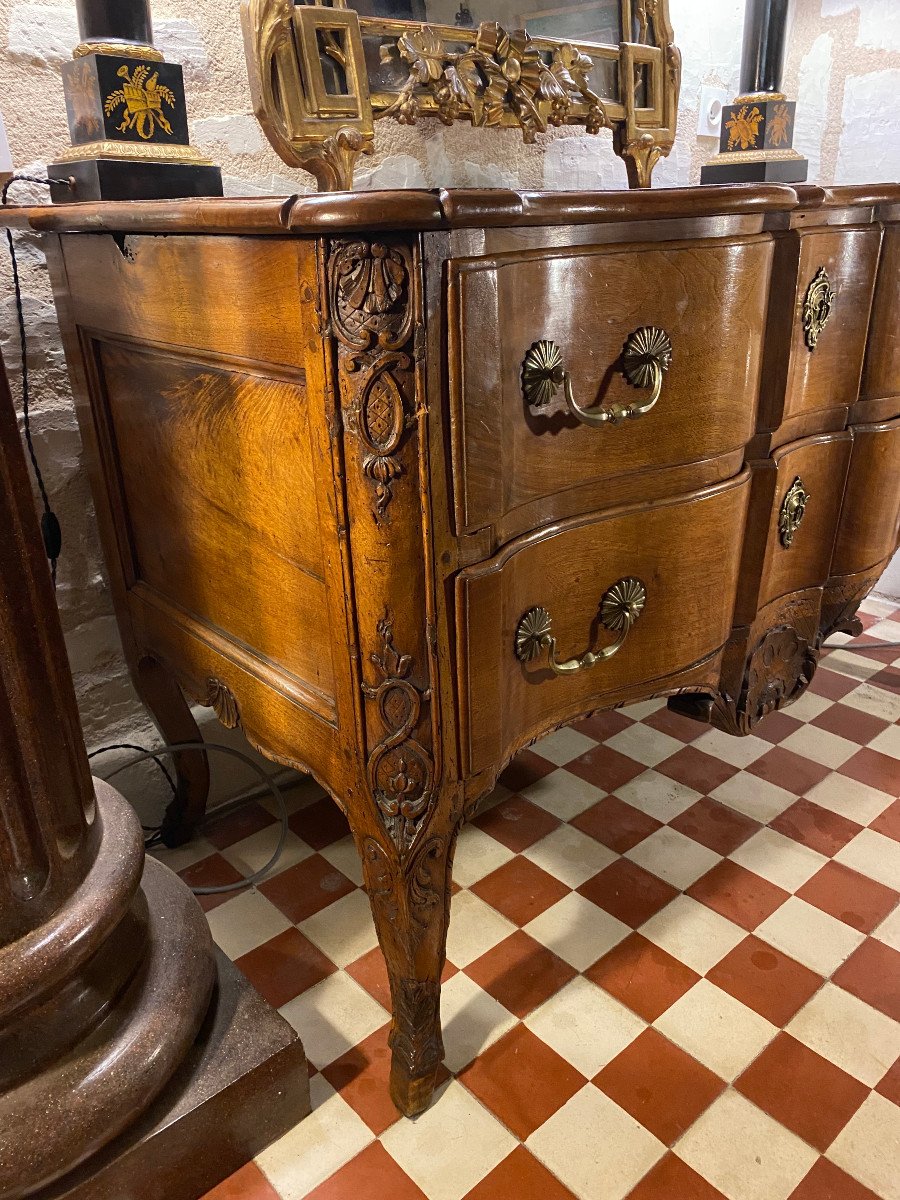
[[400, 770], [221, 699]]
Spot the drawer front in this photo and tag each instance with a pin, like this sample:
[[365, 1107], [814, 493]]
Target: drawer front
[[870, 515], [835, 276], [881, 378], [684, 553], [709, 299], [809, 485]]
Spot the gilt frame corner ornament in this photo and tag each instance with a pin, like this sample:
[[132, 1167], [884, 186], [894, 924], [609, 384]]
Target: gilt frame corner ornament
[[491, 77]]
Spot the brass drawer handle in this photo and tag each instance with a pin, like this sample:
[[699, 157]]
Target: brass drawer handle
[[646, 354], [817, 305], [793, 507], [620, 607]]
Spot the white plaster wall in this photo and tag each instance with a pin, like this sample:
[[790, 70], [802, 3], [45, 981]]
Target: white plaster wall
[[843, 66]]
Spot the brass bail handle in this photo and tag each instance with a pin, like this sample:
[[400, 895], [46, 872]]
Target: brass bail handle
[[620, 607], [646, 354]]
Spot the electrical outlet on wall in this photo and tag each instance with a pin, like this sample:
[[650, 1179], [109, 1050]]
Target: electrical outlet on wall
[[712, 101]]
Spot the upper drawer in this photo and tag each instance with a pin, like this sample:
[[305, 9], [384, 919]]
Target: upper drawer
[[673, 562], [709, 299], [870, 515], [814, 352]]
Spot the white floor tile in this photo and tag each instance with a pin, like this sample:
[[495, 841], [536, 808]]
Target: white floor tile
[[563, 746], [808, 707], [645, 744], [874, 855], [576, 930], [242, 924], [673, 857], [875, 700], [585, 1025], [472, 1020], [856, 666], [754, 797], [887, 742], [743, 1152], [779, 859], [475, 928], [739, 751], [343, 931], [855, 1036], [320, 1145], [597, 1149], [332, 1017], [719, 1031], [451, 1146], [692, 933], [889, 930], [179, 858], [849, 798], [657, 795], [344, 855], [252, 853], [563, 794], [811, 936], [868, 1147], [643, 709], [570, 855], [477, 854], [820, 745]]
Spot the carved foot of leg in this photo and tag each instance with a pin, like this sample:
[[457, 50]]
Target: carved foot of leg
[[416, 1044]]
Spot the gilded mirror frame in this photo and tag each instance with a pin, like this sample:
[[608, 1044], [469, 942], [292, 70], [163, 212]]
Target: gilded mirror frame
[[487, 76]]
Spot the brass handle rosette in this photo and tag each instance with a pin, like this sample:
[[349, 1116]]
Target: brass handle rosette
[[620, 607], [646, 355]]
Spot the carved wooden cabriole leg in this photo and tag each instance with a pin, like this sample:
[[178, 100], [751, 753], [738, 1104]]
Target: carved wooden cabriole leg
[[410, 898], [171, 712]]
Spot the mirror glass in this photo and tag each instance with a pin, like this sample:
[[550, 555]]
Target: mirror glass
[[578, 20]]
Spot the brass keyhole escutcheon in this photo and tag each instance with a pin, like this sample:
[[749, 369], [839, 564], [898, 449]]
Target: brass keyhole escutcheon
[[793, 508], [817, 307]]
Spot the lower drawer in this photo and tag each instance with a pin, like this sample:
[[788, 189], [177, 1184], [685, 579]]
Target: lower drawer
[[870, 515], [671, 565]]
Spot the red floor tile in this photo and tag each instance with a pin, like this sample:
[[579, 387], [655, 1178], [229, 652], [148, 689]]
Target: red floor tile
[[603, 725], [832, 685], [372, 1174], [213, 871], [519, 1177], [889, 822], [522, 1081], [520, 890], [827, 1182], [660, 1085], [526, 768], [803, 1091], [517, 823], [850, 723], [370, 972], [615, 824], [362, 1076], [628, 892], [788, 770], [776, 727], [875, 769], [738, 894], [319, 824], [697, 770], [285, 966], [675, 725], [889, 679], [715, 826], [645, 978], [225, 831], [765, 980], [605, 768], [306, 888], [850, 897], [890, 1084], [872, 973], [816, 827], [673, 1179], [248, 1183], [520, 973]]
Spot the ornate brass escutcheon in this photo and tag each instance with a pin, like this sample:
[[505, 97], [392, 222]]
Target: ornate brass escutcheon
[[646, 354], [793, 506], [817, 307], [620, 607]]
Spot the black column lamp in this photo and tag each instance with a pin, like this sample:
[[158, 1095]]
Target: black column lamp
[[756, 142], [127, 114]]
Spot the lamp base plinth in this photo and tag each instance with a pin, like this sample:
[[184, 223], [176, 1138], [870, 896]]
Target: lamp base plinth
[[125, 179]]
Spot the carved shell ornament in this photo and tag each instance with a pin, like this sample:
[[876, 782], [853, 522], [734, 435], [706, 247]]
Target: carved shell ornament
[[220, 698]]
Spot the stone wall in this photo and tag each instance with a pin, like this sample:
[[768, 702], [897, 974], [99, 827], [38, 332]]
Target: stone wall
[[843, 67]]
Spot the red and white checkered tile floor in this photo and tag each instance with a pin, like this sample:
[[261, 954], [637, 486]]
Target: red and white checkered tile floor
[[674, 967]]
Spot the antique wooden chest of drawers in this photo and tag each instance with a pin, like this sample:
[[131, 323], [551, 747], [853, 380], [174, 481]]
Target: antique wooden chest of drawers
[[400, 481]]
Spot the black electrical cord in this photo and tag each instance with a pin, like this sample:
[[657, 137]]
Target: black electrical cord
[[50, 528]]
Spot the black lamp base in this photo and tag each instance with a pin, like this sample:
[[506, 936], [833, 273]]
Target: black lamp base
[[125, 179], [761, 170]]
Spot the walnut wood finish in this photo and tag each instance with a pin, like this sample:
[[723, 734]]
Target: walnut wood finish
[[326, 504]]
